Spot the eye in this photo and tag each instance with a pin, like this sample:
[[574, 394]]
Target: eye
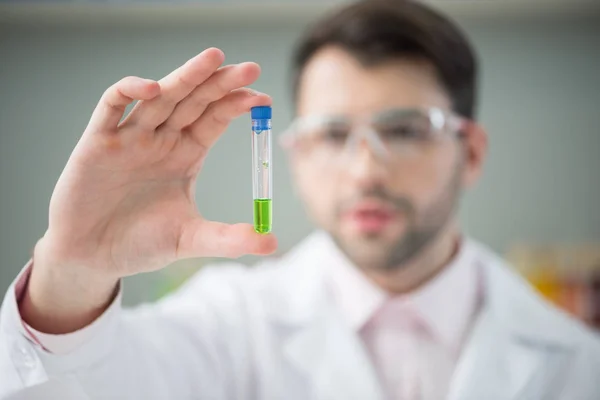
[[417, 130], [401, 131], [404, 125], [335, 133]]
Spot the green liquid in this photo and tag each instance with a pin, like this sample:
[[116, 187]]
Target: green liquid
[[262, 215]]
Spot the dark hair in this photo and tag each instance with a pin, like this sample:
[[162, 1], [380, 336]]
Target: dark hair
[[376, 31]]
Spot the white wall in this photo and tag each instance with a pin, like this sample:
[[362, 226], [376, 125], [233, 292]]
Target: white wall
[[540, 100]]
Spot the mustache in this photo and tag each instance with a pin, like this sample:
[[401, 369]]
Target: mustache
[[399, 203]]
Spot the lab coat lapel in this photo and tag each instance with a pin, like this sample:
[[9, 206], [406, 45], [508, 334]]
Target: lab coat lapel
[[334, 360], [480, 369], [318, 344], [507, 356]]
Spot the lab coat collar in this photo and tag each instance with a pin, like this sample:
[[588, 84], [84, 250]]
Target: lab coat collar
[[513, 351]]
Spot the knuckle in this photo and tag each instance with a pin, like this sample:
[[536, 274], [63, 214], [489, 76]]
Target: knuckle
[[199, 101], [113, 98], [183, 81], [215, 114], [219, 118], [221, 87], [107, 93]]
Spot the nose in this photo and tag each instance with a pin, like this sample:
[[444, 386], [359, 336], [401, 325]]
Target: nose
[[366, 162]]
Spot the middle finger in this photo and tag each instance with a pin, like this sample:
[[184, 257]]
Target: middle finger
[[221, 83]]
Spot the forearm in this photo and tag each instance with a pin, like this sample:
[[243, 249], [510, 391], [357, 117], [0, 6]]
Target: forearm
[[62, 299], [172, 349]]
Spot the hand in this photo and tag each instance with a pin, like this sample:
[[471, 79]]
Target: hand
[[125, 201]]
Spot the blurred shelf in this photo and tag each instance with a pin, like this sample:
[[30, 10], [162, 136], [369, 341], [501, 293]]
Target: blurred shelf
[[568, 275], [246, 12]]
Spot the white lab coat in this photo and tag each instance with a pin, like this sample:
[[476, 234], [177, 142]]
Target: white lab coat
[[271, 332]]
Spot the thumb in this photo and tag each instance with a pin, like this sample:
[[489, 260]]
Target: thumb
[[202, 238]]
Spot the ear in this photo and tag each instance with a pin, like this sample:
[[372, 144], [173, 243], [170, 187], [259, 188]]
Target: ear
[[476, 144]]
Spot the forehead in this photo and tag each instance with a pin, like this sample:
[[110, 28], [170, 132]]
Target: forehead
[[334, 82]]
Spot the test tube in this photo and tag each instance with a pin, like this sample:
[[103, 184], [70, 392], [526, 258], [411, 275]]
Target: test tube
[[261, 168]]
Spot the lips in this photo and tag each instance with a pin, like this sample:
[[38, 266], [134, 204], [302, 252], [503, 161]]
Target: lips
[[370, 217]]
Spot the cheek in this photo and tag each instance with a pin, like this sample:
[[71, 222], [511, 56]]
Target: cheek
[[316, 189], [424, 181]]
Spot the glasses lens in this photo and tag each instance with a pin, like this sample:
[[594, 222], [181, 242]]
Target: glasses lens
[[323, 133], [403, 126], [334, 132], [400, 133]]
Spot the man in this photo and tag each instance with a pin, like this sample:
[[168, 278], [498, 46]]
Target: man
[[387, 300]]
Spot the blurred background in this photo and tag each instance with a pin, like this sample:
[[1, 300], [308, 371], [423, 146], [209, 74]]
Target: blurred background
[[537, 203]]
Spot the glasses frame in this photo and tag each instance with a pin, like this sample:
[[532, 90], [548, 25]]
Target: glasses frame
[[442, 122]]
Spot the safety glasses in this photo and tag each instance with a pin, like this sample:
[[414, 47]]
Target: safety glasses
[[392, 135]]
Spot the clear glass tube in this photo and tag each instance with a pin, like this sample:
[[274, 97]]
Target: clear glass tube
[[262, 169]]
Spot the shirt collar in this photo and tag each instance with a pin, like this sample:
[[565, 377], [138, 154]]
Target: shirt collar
[[446, 303], [356, 296]]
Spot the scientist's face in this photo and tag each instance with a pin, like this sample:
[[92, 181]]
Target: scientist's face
[[383, 204]]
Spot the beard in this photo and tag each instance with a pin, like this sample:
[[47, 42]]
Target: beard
[[422, 227]]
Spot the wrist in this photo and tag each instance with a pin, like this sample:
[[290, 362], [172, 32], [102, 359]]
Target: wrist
[[60, 269], [61, 297]]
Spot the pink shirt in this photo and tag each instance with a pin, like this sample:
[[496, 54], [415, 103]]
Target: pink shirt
[[414, 340]]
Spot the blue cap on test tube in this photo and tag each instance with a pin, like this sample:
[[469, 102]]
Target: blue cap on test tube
[[261, 117], [261, 112]]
